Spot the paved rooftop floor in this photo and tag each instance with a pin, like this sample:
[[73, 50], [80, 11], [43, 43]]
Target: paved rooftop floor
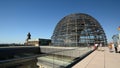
[[101, 58]]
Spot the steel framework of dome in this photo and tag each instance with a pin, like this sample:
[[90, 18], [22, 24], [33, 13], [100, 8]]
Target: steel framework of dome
[[77, 30]]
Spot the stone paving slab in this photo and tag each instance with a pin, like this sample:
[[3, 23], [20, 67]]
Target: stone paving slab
[[100, 59]]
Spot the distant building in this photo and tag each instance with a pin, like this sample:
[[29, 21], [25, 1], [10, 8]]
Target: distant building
[[45, 41], [33, 42], [36, 42]]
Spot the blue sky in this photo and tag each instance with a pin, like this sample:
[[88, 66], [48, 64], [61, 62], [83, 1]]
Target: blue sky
[[39, 17]]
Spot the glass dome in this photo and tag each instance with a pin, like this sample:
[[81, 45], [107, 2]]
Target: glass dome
[[78, 30]]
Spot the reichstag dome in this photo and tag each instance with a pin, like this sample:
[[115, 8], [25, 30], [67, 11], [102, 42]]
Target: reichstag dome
[[78, 30]]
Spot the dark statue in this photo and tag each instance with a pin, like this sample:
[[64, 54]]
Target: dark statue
[[28, 36]]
